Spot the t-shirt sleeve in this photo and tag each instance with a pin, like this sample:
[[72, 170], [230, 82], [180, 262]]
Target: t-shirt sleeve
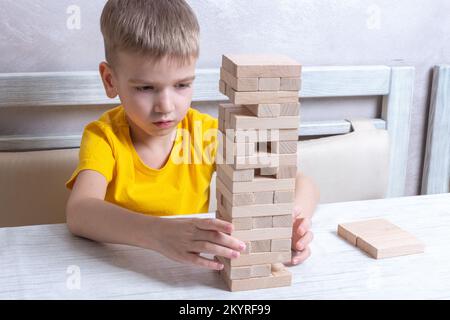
[[96, 153]]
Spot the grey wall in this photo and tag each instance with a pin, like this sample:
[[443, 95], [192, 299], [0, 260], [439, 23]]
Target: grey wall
[[43, 35]]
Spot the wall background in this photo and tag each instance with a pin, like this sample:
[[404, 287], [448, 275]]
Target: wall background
[[64, 35]]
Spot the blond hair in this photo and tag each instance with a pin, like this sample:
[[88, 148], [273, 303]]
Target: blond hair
[[155, 28]]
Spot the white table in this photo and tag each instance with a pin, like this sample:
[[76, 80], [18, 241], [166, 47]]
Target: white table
[[41, 262]]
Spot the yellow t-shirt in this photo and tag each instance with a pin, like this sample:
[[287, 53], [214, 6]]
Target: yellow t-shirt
[[181, 186]]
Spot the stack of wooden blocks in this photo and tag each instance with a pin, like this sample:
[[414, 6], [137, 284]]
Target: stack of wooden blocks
[[258, 166]]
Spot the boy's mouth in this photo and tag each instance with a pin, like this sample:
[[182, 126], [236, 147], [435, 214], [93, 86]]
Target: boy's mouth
[[164, 124]]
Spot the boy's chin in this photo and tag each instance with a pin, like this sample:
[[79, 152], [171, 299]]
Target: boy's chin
[[163, 131]]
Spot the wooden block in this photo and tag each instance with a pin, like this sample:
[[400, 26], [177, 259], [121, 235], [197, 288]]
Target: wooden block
[[239, 121], [258, 97], [261, 66], [262, 222], [263, 159], [258, 184], [277, 245], [244, 272], [261, 258], [262, 233], [222, 87], [268, 171], [239, 84], [380, 238], [221, 125], [260, 246], [283, 146], [282, 221], [283, 196], [269, 84], [241, 149], [265, 110], [283, 172], [263, 135], [238, 223], [290, 109], [235, 175], [290, 84], [255, 210], [286, 172], [263, 197], [236, 199], [280, 277]]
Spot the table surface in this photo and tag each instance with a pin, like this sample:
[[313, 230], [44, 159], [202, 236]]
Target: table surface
[[44, 262]]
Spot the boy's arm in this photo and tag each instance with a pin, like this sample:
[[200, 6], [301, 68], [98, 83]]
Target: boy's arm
[[103, 221], [307, 196], [90, 216]]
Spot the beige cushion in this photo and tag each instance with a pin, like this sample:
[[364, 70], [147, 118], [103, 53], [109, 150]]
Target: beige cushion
[[354, 166], [32, 189]]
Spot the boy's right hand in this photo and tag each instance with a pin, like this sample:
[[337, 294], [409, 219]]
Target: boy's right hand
[[184, 239]]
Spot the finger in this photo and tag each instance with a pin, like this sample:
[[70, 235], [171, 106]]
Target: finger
[[304, 241], [214, 224], [222, 239], [301, 256], [208, 247], [197, 260], [304, 226]]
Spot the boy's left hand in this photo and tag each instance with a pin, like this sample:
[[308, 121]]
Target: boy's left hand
[[301, 238]]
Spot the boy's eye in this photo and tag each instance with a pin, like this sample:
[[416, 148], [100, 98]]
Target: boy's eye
[[145, 88], [183, 85]]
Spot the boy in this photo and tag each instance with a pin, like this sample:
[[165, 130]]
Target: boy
[[127, 176]]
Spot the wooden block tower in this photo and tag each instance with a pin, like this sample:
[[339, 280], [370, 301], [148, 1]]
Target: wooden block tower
[[256, 174]]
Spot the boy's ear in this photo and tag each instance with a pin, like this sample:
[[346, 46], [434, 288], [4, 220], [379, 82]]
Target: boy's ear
[[106, 74]]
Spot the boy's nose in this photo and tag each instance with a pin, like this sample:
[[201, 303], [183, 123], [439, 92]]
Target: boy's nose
[[163, 103]]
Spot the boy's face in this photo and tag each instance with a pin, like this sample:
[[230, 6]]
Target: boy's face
[[156, 95]]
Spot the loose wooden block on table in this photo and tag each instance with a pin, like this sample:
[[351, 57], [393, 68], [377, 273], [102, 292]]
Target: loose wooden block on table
[[280, 277], [261, 65], [380, 238]]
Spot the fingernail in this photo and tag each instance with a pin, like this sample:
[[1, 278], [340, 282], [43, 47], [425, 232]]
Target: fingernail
[[242, 246], [235, 254]]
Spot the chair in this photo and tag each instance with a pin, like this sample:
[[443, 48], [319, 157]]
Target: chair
[[436, 170], [23, 157]]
